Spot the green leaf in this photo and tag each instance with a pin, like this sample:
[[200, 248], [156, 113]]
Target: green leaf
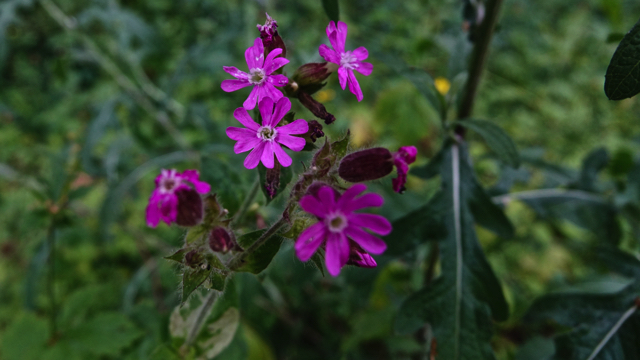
[[261, 258], [497, 140], [192, 278], [339, 148], [24, 339], [332, 9], [419, 77], [592, 164], [461, 303], [178, 256], [105, 334], [622, 79], [277, 178]]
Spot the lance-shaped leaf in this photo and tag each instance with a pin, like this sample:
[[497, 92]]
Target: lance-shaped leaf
[[497, 140], [602, 326], [461, 303], [332, 9], [261, 257], [623, 74]]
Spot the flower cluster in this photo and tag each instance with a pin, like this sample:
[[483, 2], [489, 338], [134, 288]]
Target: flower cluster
[[172, 194]]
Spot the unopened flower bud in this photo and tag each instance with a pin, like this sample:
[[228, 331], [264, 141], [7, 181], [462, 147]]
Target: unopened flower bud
[[359, 257], [402, 158], [365, 165], [189, 209], [193, 258], [272, 180], [317, 185], [315, 107], [312, 74], [220, 240], [270, 38]]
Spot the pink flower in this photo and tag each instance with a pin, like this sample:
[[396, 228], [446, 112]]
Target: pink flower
[[360, 258], [164, 200], [269, 29], [347, 60], [402, 158], [265, 140], [259, 75], [338, 225]]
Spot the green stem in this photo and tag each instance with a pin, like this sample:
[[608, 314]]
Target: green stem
[[247, 201], [197, 325], [478, 58], [237, 261], [51, 237]]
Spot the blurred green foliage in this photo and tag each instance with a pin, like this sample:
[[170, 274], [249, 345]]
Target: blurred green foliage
[[93, 103]]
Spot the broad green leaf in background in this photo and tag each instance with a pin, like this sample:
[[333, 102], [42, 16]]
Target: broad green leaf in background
[[461, 303], [259, 259], [622, 79], [497, 140], [332, 9], [105, 334], [604, 326], [24, 339], [592, 164]]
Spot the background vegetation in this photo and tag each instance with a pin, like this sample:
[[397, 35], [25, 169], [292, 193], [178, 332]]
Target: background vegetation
[[97, 96]]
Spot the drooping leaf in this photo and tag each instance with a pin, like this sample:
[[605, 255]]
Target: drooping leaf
[[105, 334], [192, 278], [178, 256], [332, 9], [595, 162], [497, 140], [259, 259], [460, 304], [622, 79]]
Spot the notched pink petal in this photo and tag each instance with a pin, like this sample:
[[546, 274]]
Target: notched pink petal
[[292, 142], [194, 177], [254, 156], [327, 196], [275, 64], [266, 109], [255, 55], [283, 158], [297, 127], [354, 86], [367, 241], [364, 201], [233, 71], [281, 109], [251, 101], [364, 68], [335, 253], [234, 84], [309, 241], [376, 223], [313, 206], [153, 213], [360, 53], [277, 80], [235, 133], [328, 54], [245, 119], [267, 155], [343, 75], [246, 144], [350, 194]]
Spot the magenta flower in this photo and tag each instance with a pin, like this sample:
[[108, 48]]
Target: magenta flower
[[360, 258], [259, 75], [268, 30], [165, 199], [267, 139], [338, 225], [402, 158], [347, 60]]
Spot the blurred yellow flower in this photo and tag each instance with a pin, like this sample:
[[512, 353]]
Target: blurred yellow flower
[[442, 85], [325, 95]]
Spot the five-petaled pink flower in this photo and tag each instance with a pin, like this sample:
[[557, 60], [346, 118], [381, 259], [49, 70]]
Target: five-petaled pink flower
[[347, 60], [338, 225], [259, 75], [163, 203], [265, 140], [402, 158]]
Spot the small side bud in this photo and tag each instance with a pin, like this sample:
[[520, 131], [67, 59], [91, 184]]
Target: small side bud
[[189, 210], [312, 74], [315, 107], [402, 158], [365, 165], [359, 257], [220, 240], [193, 258], [272, 180]]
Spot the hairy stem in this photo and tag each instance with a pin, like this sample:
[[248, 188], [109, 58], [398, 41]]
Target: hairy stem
[[247, 201], [237, 261], [478, 58], [197, 325]]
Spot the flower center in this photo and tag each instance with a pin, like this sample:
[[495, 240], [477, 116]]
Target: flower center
[[267, 133], [336, 222], [348, 61], [167, 185], [256, 76]]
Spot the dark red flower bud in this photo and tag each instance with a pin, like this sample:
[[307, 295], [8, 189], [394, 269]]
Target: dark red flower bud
[[317, 185], [193, 258], [189, 208], [270, 38], [313, 74], [365, 165], [272, 180], [315, 107], [220, 240]]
